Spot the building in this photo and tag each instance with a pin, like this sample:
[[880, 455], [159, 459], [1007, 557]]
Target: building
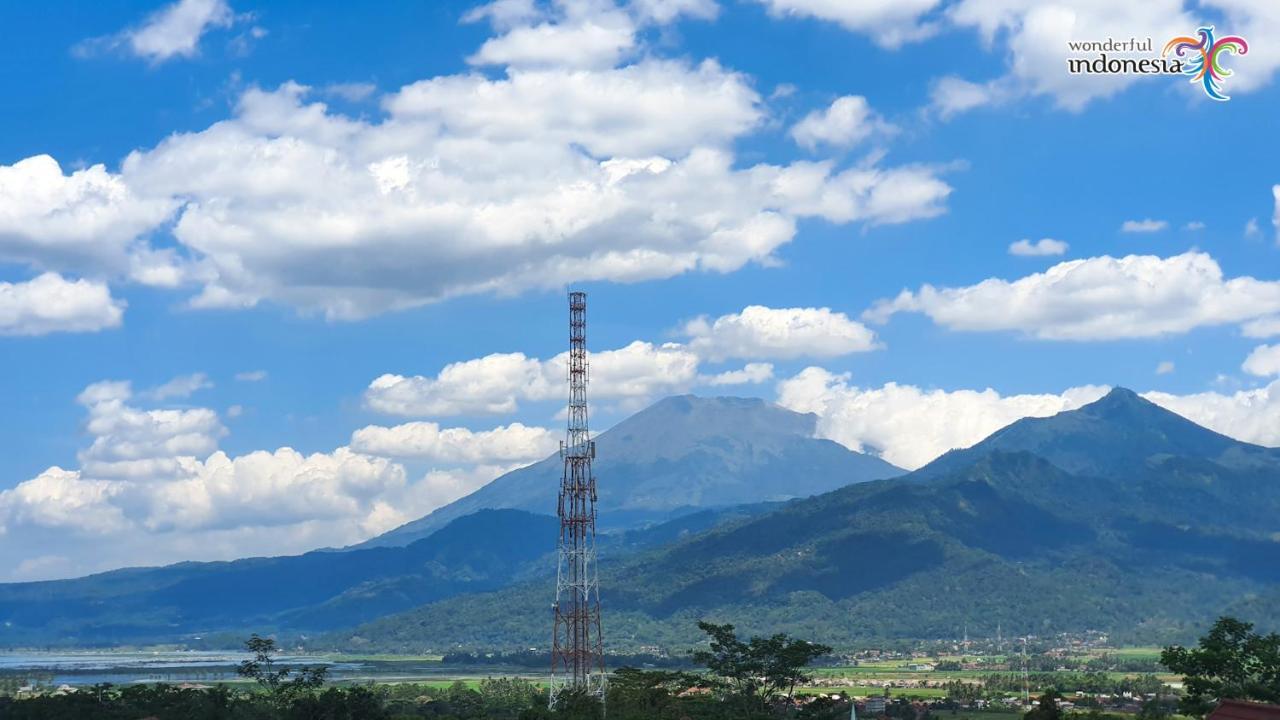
[[1244, 710]]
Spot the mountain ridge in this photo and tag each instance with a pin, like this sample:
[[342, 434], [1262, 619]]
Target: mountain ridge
[[996, 533]]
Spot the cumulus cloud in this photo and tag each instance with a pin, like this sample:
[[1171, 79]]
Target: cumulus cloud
[[1263, 361], [51, 303], [153, 487], [1143, 226], [498, 383], [587, 35], [779, 333], [750, 374], [1101, 298], [848, 121], [88, 221], [174, 31], [129, 442], [555, 175], [910, 426], [634, 374], [889, 23], [1262, 327], [1042, 247], [557, 170], [516, 443], [1248, 415], [1034, 35]]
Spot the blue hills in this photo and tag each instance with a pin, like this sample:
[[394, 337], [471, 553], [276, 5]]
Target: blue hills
[[674, 469], [1120, 516]]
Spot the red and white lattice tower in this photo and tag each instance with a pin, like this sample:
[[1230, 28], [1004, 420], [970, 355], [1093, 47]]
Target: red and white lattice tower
[[577, 650]]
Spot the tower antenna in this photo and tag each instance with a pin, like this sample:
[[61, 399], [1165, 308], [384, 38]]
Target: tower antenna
[[577, 649]]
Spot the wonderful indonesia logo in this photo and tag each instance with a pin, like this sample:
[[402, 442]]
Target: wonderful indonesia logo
[[1201, 57]]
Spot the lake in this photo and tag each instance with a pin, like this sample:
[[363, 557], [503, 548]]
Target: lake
[[177, 666]]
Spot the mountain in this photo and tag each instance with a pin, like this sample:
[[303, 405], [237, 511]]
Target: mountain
[[1117, 435], [676, 469], [316, 591], [680, 455], [1158, 528]]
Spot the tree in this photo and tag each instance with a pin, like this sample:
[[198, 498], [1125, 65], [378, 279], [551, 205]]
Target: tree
[[278, 683], [1047, 709], [1232, 661], [759, 670]]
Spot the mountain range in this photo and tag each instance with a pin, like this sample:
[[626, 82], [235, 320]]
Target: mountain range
[[676, 468], [1119, 516]]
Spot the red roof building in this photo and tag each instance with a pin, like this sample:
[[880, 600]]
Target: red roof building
[[1244, 710]]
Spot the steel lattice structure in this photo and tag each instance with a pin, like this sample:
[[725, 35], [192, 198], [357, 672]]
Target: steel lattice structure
[[577, 651]]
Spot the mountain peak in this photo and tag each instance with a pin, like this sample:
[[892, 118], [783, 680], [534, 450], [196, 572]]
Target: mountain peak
[[1114, 436], [1122, 398], [679, 455]]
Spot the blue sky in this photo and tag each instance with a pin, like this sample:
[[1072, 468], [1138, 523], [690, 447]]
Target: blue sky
[[278, 204]]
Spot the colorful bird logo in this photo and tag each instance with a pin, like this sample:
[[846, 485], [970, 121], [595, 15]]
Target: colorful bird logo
[[1207, 67]]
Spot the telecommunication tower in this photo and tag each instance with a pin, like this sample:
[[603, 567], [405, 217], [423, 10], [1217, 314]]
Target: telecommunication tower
[[577, 649]]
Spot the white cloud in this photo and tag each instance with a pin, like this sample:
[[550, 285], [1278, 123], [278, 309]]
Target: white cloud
[[634, 374], [595, 41], [1164, 367], [1143, 226], [950, 95], [1275, 218], [1262, 327], [1034, 35], [779, 333], [750, 374], [514, 443], [1193, 226], [1263, 361], [498, 383], [553, 175], [889, 23], [173, 31], [1101, 298], [1248, 415], [351, 91], [848, 121], [491, 384], [1042, 247], [49, 303], [1251, 227], [129, 442], [143, 495], [176, 29], [182, 386], [909, 426], [88, 221], [252, 376], [665, 11]]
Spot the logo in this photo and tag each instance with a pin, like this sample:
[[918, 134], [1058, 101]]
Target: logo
[[1205, 66]]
